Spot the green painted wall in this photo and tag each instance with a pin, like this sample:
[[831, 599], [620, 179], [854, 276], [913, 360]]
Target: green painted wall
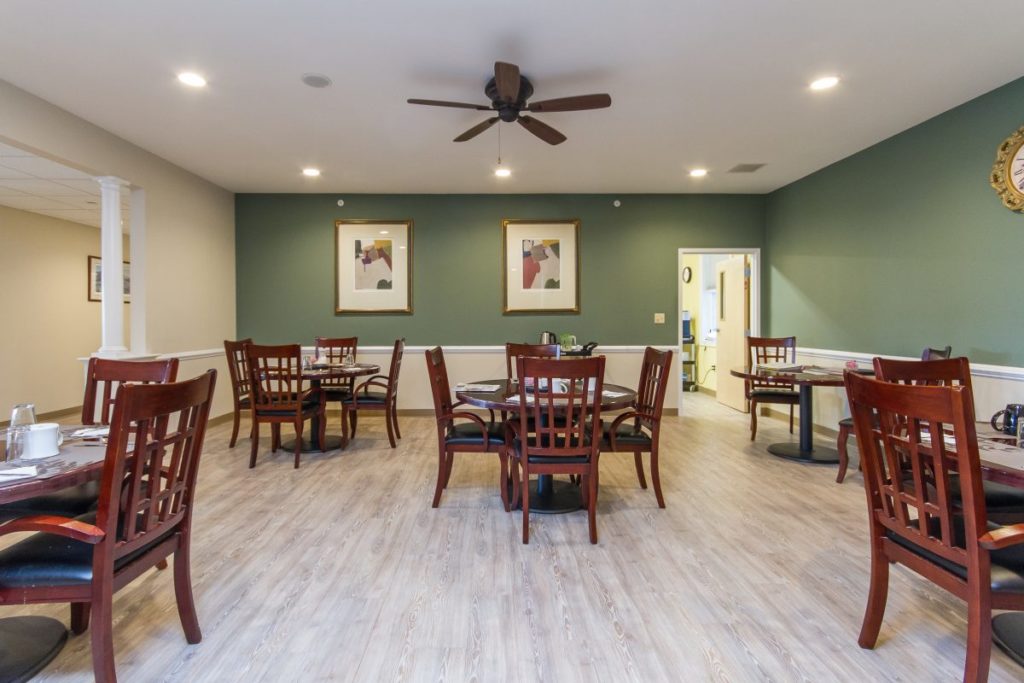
[[905, 245], [285, 264]]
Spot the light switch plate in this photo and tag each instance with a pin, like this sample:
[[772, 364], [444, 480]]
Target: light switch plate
[[659, 318]]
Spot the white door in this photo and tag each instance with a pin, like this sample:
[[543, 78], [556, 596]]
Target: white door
[[732, 330]]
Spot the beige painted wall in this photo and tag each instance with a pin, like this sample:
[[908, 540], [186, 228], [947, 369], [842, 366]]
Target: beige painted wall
[[49, 322], [190, 225]]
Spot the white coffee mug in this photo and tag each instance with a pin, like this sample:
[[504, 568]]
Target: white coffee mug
[[41, 440]]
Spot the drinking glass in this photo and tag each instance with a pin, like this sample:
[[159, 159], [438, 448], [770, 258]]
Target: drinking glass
[[23, 414], [349, 360]]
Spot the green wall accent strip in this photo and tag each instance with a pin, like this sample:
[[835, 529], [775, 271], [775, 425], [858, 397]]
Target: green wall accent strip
[[904, 245], [285, 264]]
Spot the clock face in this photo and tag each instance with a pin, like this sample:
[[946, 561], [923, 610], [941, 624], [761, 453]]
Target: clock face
[[1015, 175]]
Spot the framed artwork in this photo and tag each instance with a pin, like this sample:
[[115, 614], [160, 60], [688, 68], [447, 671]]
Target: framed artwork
[[541, 265], [95, 292], [372, 266]]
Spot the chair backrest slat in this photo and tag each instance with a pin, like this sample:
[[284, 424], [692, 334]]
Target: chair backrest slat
[[769, 350], [238, 368], [334, 349], [395, 371], [275, 374], [111, 375], [650, 393], [439, 387], [925, 433], [514, 351], [561, 401], [150, 472]]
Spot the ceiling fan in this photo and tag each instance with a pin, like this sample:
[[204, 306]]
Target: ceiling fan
[[508, 92]]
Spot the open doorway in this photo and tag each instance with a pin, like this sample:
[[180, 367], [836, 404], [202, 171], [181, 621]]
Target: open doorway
[[719, 306]]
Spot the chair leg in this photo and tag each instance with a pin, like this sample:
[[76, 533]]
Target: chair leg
[[524, 491], [844, 460], [353, 418], [255, 443], [442, 463], [753, 419], [394, 418], [101, 633], [275, 436], [183, 593], [592, 505], [448, 463], [639, 469], [513, 475], [656, 477], [503, 480], [298, 441], [390, 423], [79, 617], [790, 418], [979, 632], [234, 428], [877, 595]]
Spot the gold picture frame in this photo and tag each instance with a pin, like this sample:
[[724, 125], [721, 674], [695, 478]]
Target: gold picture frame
[[540, 266], [372, 266]]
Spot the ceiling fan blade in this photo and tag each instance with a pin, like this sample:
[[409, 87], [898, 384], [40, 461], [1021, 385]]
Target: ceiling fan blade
[[457, 105], [541, 130], [506, 79], [476, 130], [576, 103]]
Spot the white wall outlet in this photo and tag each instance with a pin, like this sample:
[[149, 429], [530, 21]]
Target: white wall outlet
[[659, 318]]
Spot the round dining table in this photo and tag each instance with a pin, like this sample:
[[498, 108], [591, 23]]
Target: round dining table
[[546, 494], [805, 379], [29, 643], [316, 376]]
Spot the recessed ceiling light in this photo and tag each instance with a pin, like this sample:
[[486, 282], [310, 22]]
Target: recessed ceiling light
[[502, 172], [825, 82], [191, 78], [383, 232], [698, 172], [311, 172]]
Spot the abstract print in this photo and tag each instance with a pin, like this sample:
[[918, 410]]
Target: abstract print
[[373, 266], [541, 264]]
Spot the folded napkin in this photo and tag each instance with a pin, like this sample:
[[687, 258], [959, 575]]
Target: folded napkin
[[90, 432], [486, 388], [18, 473]]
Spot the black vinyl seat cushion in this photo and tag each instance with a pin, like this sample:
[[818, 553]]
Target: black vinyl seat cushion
[[998, 497], [517, 445], [778, 395], [369, 398], [70, 502], [470, 434], [626, 437], [50, 560], [1007, 565]]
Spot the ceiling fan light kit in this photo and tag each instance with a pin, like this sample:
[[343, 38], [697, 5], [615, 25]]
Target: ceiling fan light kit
[[509, 92]]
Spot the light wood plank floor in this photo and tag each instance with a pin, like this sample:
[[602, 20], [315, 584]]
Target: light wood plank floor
[[341, 571]]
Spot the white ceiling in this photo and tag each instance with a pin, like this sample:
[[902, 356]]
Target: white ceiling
[[693, 83], [31, 183]]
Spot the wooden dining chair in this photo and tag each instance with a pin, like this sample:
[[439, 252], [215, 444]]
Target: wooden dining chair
[[334, 350], [144, 516], [1004, 503], [514, 351], [241, 390], [915, 520], [638, 430], [758, 391], [470, 435], [278, 396], [104, 378], [385, 400], [846, 424], [558, 428]]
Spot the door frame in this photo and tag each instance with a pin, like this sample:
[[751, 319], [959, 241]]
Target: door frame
[[755, 294]]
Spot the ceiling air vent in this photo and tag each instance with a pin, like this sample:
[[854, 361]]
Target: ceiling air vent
[[746, 168]]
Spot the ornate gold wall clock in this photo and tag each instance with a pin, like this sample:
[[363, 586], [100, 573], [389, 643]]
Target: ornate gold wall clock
[[1008, 171]]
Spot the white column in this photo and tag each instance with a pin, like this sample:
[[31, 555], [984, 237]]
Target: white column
[[137, 245], [112, 253]]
